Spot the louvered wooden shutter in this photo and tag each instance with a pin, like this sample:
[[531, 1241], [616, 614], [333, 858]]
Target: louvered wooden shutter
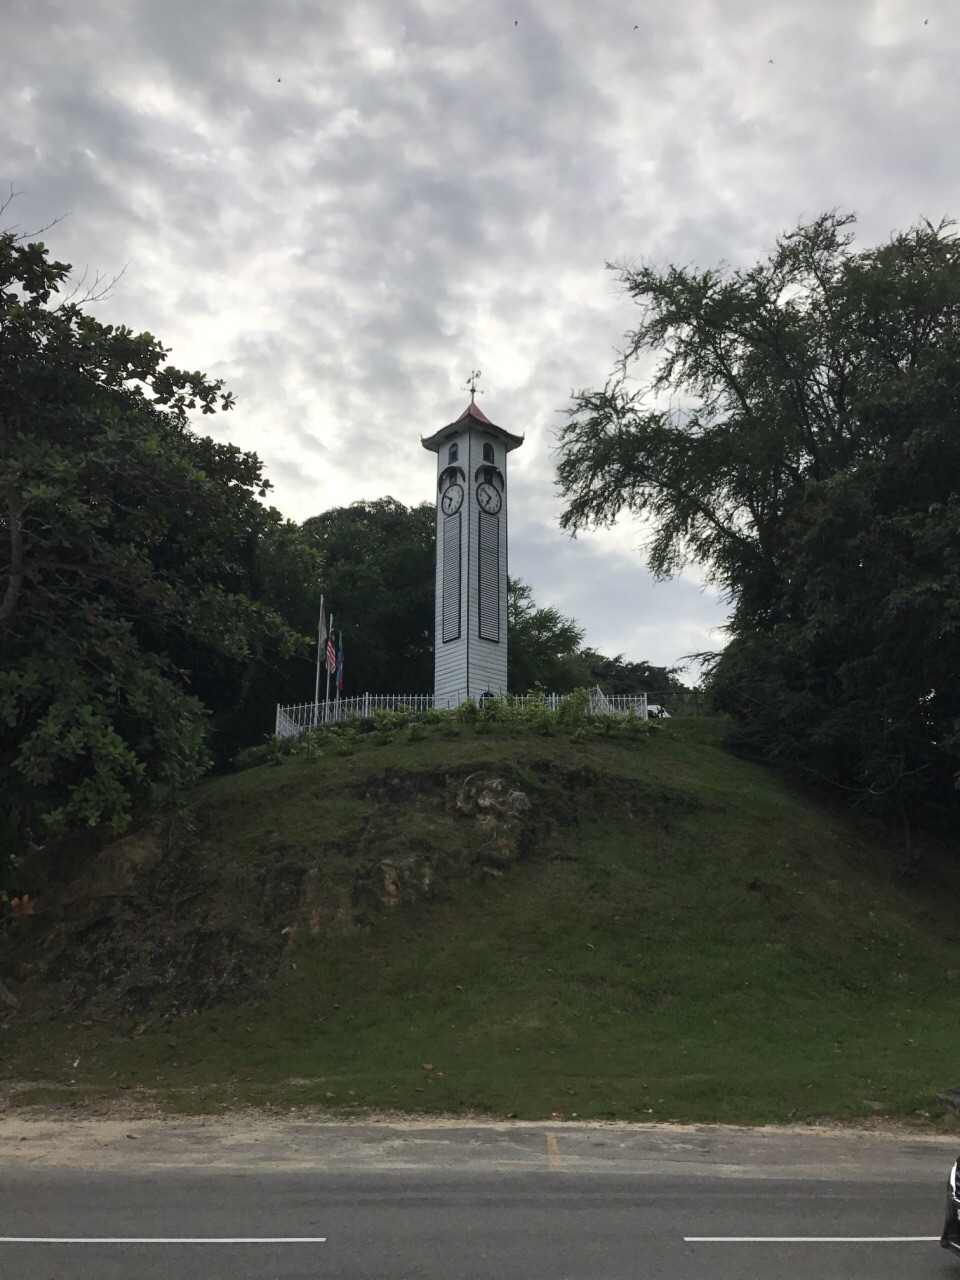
[[489, 580], [451, 578]]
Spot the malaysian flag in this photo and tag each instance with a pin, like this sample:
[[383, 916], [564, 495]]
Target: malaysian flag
[[331, 655]]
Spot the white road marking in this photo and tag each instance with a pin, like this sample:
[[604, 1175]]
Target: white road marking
[[163, 1239], [811, 1239]]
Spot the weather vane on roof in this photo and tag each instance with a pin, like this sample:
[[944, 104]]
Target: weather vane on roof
[[472, 384]]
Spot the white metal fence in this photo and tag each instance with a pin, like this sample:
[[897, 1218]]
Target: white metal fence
[[307, 715]]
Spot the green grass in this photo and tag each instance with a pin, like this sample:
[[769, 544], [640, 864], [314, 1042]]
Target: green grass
[[669, 933]]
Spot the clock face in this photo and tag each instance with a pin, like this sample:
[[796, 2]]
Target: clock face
[[489, 498], [452, 499]]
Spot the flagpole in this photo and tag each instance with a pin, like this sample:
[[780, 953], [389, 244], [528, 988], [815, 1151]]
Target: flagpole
[[339, 657], [321, 639], [326, 696]]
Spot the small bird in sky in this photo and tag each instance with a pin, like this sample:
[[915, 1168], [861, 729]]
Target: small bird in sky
[[515, 23], [636, 28]]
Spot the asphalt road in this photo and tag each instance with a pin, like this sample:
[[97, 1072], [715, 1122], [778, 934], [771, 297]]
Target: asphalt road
[[356, 1202]]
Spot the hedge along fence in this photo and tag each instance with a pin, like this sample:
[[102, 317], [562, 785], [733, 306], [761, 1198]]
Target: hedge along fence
[[299, 717], [578, 713]]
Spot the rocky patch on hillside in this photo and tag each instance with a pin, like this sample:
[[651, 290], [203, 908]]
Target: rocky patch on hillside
[[155, 923]]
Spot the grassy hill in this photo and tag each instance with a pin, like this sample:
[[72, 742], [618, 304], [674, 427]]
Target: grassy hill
[[508, 920]]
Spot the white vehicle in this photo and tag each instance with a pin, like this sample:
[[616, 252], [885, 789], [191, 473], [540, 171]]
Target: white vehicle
[[656, 712], [950, 1239]]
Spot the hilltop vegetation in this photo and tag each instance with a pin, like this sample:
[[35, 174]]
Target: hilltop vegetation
[[153, 611], [518, 919], [814, 475]]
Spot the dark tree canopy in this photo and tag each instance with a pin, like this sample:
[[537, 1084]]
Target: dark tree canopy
[[543, 645], [128, 547], [814, 470], [614, 675], [376, 567]]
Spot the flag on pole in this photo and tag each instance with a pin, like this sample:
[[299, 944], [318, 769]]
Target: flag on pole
[[321, 641], [331, 655], [340, 664]]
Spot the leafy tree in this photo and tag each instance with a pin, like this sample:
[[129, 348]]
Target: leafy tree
[[815, 472], [377, 567], [281, 573], [614, 675], [126, 546], [543, 645]]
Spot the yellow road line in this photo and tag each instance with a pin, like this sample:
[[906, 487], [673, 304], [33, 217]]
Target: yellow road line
[[554, 1159]]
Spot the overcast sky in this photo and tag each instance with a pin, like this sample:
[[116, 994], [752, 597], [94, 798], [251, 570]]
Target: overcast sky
[[343, 208]]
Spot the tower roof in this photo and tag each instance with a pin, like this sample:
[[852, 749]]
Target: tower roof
[[472, 415], [473, 410]]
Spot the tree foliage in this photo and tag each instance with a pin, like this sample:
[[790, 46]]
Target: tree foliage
[[127, 550], [615, 675], [281, 574], [377, 569], [814, 469], [543, 645]]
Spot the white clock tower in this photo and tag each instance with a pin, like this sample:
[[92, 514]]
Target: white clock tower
[[471, 611]]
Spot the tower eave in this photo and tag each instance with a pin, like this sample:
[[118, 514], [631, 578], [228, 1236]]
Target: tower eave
[[471, 417]]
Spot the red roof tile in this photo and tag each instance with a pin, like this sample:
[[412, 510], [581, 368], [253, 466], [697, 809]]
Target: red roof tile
[[474, 411]]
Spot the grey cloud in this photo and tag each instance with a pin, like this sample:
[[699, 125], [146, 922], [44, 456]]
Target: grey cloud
[[615, 598], [344, 245]]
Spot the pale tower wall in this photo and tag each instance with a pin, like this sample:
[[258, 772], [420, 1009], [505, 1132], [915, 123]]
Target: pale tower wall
[[471, 582]]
